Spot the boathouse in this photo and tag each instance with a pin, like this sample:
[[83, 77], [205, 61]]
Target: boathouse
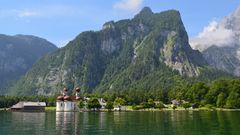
[[29, 106]]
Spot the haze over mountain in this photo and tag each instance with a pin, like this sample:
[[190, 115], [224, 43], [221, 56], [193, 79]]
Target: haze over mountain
[[220, 43], [149, 52], [18, 53]]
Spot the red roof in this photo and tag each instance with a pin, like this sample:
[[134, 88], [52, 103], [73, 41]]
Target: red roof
[[60, 97], [68, 98], [74, 98]]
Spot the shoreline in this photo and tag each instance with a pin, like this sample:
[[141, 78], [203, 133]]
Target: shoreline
[[158, 110], [52, 109]]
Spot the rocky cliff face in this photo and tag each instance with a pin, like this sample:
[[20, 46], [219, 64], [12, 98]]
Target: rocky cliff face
[[18, 53], [119, 57], [224, 58]]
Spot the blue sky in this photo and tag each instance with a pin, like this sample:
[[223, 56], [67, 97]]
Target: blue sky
[[60, 21]]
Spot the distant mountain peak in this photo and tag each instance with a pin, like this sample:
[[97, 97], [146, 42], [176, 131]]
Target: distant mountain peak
[[237, 12], [107, 25], [18, 53], [146, 10]]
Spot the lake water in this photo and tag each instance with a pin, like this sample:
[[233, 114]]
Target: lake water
[[120, 123]]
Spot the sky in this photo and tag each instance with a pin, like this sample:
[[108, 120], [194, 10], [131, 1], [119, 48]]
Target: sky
[[60, 21]]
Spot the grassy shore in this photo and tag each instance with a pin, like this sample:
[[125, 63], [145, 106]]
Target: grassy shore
[[2, 109], [50, 108], [130, 109]]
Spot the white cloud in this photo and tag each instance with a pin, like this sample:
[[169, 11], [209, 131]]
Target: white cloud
[[213, 34], [224, 33], [128, 5], [43, 11], [26, 13]]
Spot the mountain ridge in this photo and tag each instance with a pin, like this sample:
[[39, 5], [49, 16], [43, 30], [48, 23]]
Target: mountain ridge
[[18, 53], [123, 55]]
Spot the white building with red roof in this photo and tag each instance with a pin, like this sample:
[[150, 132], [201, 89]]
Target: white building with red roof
[[68, 103]]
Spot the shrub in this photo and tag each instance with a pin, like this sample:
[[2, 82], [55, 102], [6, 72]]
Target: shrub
[[186, 105], [195, 105], [93, 103], [159, 105], [80, 104], [109, 105], [174, 107], [209, 106], [137, 107]]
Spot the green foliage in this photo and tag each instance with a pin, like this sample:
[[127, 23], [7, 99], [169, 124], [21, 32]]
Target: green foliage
[[159, 105], [209, 106], [199, 90], [174, 107], [233, 100], [186, 105], [119, 102], [145, 105], [195, 105], [109, 105], [93, 103], [81, 104], [221, 100], [138, 107], [151, 103]]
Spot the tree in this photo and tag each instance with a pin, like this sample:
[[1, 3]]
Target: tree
[[145, 105], [174, 107], [119, 102], [93, 104], [216, 88], [159, 105], [221, 100], [233, 100], [51, 101], [186, 105], [80, 104], [198, 90], [151, 103], [109, 105]]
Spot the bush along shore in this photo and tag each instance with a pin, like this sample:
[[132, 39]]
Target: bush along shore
[[222, 94], [120, 105]]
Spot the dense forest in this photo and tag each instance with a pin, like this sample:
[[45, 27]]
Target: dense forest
[[221, 93]]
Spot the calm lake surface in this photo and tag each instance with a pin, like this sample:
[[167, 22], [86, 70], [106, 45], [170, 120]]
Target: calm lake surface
[[120, 123]]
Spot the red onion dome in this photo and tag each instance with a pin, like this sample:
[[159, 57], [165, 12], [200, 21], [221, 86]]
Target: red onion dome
[[68, 98], [78, 89], [60, 98], [65, 89]]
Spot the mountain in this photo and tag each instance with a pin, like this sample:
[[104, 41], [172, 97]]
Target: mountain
[[223, 58], [220, 43], [149, 52], [18, 53]]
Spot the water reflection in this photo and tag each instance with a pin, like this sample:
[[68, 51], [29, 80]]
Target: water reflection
[[119, 123], [28, 120], [67, 123]]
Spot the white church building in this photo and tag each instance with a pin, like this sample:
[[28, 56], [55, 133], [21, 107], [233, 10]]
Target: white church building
[[68, 103]]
